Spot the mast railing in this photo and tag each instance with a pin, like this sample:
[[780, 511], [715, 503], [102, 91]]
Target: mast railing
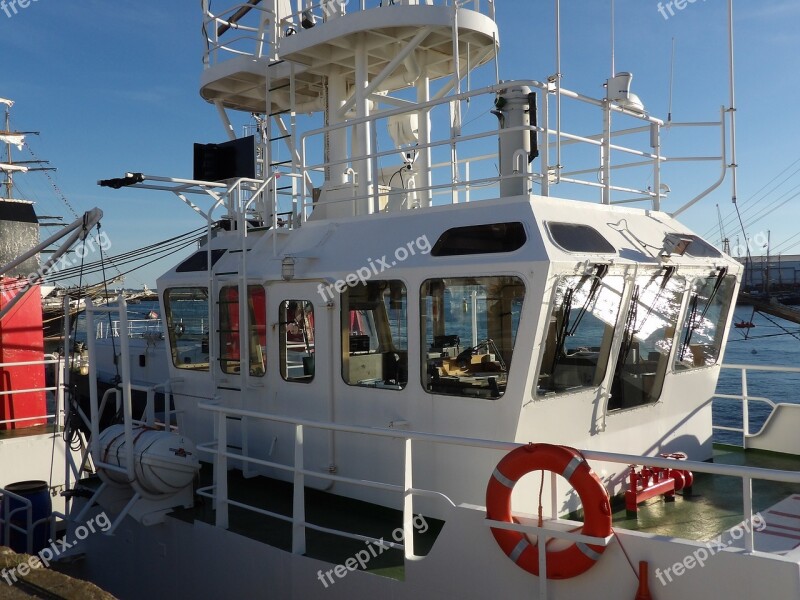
[[250, 29], [476, 171]]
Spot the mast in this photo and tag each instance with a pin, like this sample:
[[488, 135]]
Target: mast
[[9, 182], [9, 166]]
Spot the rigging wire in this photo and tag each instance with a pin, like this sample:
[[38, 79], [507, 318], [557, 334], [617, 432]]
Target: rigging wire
[[753, 201], [58, 191], [166, 247]]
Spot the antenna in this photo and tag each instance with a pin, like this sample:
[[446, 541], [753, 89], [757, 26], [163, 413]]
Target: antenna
[[613, 40], [671, 81], [732, 109]]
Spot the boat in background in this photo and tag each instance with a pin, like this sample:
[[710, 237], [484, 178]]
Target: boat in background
[[394, 369]]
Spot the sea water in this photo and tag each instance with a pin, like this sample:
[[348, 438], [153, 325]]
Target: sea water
[[766, 344]]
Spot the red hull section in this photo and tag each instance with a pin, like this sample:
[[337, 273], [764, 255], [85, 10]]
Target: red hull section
[[21, 340]]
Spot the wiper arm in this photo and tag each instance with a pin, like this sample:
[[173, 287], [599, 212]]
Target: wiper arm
[[602, 270], [563, 330], [694, 322]]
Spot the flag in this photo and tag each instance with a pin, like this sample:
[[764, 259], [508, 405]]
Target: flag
[[8, 103]]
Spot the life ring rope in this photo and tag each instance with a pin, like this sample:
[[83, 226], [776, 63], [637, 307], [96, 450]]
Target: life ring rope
[[572, 466]]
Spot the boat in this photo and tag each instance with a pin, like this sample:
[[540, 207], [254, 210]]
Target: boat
[[393, 369]]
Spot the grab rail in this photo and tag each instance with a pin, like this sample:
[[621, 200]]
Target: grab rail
[[745, 396]]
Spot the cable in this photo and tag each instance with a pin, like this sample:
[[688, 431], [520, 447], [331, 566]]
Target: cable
[[58, 191]]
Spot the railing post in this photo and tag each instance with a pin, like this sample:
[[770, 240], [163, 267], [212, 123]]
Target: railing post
[[541, 540], [151, 408], [93, 401], [59, 384], [745, 410], [221, 471], [544, 155], [298, 504], [747, 501], [408, 502]]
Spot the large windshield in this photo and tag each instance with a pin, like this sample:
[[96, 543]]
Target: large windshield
[[647, 339], [580, 332], [701, 336]]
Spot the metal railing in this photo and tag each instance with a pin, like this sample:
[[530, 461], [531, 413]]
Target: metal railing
[[463, 166], [137, 328], [247, 29], [57, 388], [745, 397], [9, 524], [223, 454]]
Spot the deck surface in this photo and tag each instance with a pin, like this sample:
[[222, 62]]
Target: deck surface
[[715, 504]]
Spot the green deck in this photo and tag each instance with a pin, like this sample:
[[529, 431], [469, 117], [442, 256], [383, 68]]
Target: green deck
[[322, 509], [715, 503]]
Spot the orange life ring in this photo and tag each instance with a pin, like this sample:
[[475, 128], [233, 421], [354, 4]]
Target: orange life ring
[[568, 463]]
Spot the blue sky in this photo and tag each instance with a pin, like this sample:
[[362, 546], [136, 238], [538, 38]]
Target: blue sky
[[113, 87]]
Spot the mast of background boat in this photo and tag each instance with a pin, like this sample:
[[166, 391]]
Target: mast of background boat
[[9, 183]]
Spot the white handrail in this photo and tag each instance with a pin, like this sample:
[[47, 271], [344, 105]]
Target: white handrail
[[222, 453], [745, 397]]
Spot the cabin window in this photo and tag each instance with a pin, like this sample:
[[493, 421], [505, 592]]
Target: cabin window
[[480, 239], [701, 335], [574, 237], [375, 335], [469, 326], [199, 261], [187, 326], [580, 332], [229, 359], [699, 248], [297, 340], [647, 339]]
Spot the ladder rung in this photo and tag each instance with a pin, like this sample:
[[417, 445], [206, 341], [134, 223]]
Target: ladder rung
[[285, 187], [280, 87], [281, 162], [280, 112], [280, 137]]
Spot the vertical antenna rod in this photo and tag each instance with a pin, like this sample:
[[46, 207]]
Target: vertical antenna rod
[[732, 108], [613, 42], [671, 81], [558, 93]]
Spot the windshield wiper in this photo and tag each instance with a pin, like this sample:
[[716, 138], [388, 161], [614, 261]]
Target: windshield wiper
[[694, 321]]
